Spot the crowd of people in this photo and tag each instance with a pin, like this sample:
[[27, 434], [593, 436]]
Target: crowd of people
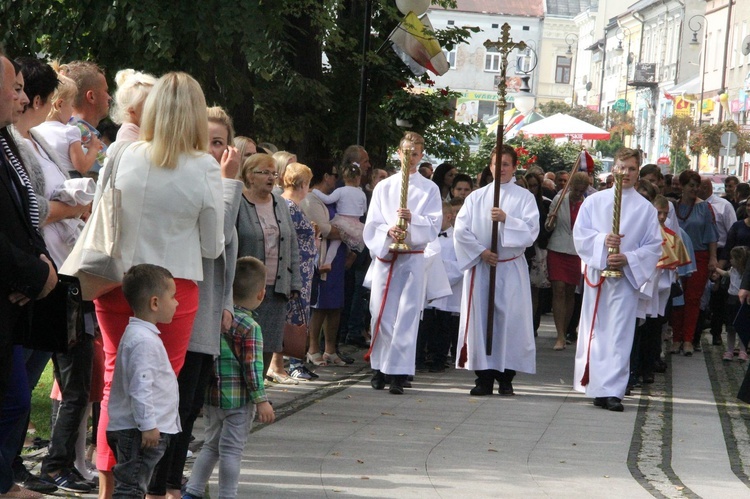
[[231, 243]]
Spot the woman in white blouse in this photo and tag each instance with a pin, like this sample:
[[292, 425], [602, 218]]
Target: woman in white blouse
[[172, 216]]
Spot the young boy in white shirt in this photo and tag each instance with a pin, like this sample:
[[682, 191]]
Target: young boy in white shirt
[[440, 320], [144, 398]]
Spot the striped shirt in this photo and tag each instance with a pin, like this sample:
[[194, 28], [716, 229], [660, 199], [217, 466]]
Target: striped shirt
[[237, 375]]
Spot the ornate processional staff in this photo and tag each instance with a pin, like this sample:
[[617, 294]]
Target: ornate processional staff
[[618, 172], [399, 245], [505, 45]]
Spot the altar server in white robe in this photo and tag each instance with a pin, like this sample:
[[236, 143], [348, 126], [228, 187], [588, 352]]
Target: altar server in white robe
[[608, 314], [513, 346], [398, 290]]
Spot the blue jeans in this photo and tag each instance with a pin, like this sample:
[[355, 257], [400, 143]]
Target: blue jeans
[[14, 411], [135, 464]]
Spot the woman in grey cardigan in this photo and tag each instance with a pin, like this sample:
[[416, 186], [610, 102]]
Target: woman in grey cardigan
[[265, 231]]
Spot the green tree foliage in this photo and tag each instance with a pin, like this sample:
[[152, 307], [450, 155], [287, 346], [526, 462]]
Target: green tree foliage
[[580, 112], [608, 148], [262, 60], [708, 138]]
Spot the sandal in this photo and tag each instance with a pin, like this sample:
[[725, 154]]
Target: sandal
[[282, 379], [333, 358], [315, 359]]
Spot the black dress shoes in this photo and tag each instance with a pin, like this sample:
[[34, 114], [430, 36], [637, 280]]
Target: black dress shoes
[[378, 380], [609, 403], [614, 404], [397, 385], [505, 389], [481, 390]]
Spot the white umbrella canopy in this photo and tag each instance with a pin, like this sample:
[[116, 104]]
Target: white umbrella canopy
[[561, 125]]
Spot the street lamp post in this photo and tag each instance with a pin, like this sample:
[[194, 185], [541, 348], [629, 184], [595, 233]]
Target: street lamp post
[[621, 33], [571, 39], [696, 23]]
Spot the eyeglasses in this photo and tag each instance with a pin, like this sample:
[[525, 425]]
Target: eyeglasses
[[267, 173]]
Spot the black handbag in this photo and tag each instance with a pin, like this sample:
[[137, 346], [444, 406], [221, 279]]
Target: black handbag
[[676, 290], [57, 319]]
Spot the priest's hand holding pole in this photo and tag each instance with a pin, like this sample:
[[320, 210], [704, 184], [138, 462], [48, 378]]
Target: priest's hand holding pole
[[396, 233], [489, 257], [498, 215], [617, 260], [404, 213], [613, 240]]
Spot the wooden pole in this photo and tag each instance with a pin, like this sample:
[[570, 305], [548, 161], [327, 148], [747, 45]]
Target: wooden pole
[[549, 224], [505, 45]]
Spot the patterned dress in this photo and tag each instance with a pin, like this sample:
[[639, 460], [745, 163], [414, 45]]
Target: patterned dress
[[307, 254]]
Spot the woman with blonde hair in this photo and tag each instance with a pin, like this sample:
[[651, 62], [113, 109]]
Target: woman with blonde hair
[[282, 159], [246, 147], [127, 106], [215, 311], [175, 218], [296, 183], [265, 230]]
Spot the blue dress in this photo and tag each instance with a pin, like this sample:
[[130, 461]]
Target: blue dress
[[329, 294], [307, 253]]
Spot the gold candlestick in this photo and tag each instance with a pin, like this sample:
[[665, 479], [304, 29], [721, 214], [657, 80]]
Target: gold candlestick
[[399, 245], [609, 271]]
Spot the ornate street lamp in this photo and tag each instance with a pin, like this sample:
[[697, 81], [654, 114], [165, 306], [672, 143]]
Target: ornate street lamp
[[572, 39], [621, 33], [696, 23]]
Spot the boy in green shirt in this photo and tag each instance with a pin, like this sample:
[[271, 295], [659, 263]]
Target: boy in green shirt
[[235, 390]]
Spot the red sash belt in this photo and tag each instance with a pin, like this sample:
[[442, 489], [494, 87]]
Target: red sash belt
[[392, 261], [598, 286]]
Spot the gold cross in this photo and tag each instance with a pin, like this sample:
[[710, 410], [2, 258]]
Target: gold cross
[[504, 45]]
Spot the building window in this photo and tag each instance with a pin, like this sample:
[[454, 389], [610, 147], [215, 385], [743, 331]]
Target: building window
[[495, 26], [492, 62], [451, 56], [451, 23], [562, 71]]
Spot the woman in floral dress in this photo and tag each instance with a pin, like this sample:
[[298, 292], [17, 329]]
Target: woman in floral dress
[[296, 182]]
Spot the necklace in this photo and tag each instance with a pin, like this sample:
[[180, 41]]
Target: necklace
[[677, 211]]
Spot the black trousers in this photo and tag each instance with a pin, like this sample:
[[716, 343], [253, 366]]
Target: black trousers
[[718, 307], [489, 376], [436, 329], [646, 347], [192, 383], [73, 375]]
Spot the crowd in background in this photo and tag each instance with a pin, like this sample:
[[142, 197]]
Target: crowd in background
[[196, 197]]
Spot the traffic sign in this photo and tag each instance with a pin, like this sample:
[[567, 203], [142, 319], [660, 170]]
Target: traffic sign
[[728, 151], [729, 139], [621, 106]]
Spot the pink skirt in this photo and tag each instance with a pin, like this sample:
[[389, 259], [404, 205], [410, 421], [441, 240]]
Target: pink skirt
[[564, 267]]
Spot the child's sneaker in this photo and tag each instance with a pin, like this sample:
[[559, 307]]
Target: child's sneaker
[[727, 357], [743, 356]]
